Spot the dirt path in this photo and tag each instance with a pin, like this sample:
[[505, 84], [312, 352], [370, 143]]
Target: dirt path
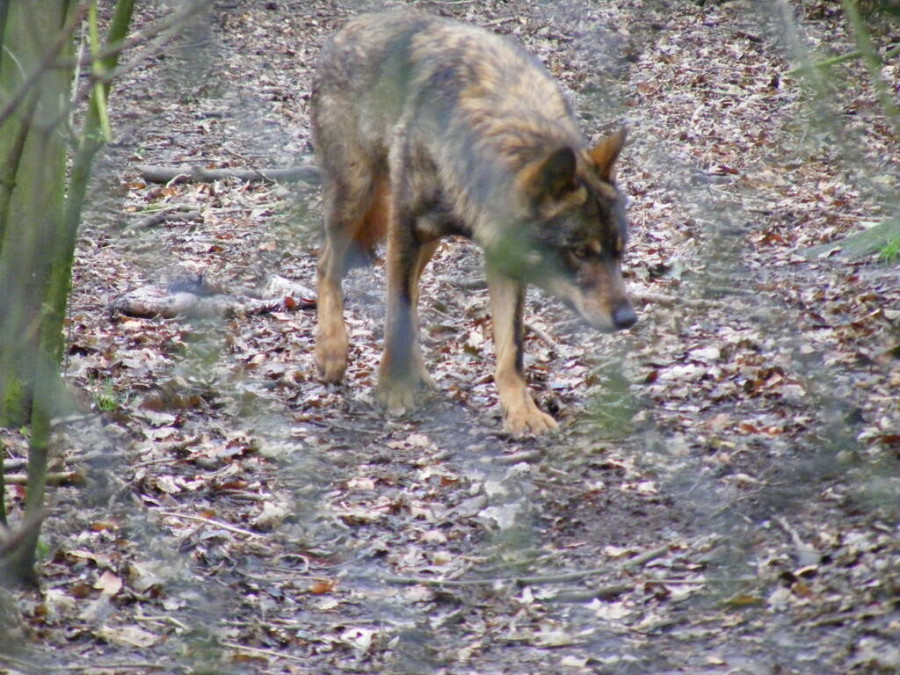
[[723, 495]]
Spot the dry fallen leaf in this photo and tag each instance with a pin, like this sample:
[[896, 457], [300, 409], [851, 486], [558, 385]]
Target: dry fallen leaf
[[322, 586], [108, 584], [359, 639], [128, 636]]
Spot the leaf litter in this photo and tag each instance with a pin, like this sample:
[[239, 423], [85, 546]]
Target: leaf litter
[[722, 498]]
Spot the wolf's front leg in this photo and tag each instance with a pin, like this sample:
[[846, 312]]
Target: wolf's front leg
[[521, 414], [402, 374], [331, 334]]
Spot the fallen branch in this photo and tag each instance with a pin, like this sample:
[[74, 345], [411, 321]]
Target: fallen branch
[[197, 298], [645, 557], [59, 478], [114, 666], [307, 173], [467, 284], [608, 593], [534, 580], [209, 521], [541, 335], [174, 213], [269, 653], [667, 300]]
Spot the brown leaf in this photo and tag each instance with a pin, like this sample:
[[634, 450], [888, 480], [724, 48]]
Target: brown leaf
[[322, 586]]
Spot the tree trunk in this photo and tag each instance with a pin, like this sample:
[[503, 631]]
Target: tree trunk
[[33, 161], [39, 218]]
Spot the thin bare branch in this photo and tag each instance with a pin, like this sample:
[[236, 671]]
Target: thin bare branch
[[46, 64]]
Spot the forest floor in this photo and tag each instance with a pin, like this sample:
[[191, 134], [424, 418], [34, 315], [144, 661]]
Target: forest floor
[[724, 492]]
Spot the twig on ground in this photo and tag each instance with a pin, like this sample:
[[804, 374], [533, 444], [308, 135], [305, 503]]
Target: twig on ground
[[306, 173], [551, 344], [666, 300], [163, 619], [628, 566], [99, 666], [55, 478], [272, 653], [209, 521], [642, 559], [179, 213]]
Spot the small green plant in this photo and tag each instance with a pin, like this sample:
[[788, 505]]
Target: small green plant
[[106, 398], [890, 252]]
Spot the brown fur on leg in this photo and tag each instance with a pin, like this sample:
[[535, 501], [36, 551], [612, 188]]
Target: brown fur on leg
[[521, 414]]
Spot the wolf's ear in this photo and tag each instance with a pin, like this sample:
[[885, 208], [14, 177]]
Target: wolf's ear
[[552, 177], [606, 152]]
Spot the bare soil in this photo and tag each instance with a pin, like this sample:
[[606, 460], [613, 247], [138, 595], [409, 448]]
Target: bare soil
[[723, 496]]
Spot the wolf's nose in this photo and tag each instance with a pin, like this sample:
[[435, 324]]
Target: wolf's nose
[[624, 316]]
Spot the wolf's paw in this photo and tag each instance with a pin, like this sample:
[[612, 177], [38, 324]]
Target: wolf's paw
[[527, 418], [397, 398], [402, 395], [331, 354]]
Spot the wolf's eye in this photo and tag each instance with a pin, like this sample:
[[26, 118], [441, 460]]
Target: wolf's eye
[[586, 251]]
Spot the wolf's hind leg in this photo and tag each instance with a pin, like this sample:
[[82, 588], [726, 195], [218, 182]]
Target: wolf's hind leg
[[402, 374], [354, 223]]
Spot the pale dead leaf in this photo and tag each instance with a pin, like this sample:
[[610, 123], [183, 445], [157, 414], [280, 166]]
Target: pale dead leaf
[[142, 577], [503, 516], [612, 612], [100, 559], [271, 515], [359, 639], [57, 603], [573, 661], [108, 584], [362, 483], [434, 537], [128, 636]]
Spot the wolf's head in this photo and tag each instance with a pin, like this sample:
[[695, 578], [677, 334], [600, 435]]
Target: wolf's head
[[576, 233]]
